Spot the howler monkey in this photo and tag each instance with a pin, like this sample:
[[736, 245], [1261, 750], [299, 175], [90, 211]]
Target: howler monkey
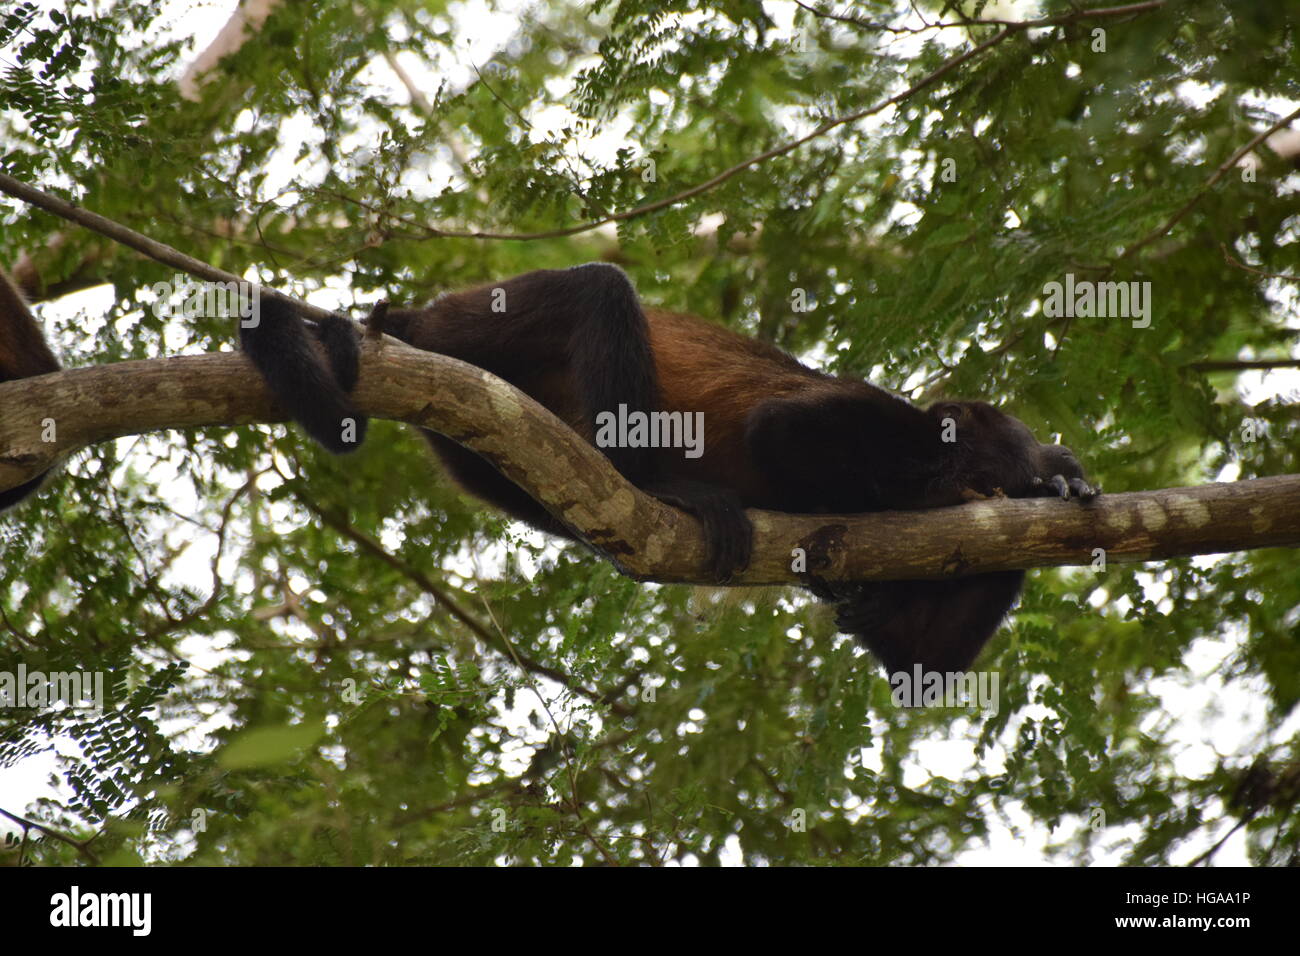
[[23, 353], [777, 434]]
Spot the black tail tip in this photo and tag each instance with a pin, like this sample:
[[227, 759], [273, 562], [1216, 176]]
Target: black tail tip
[[341, 435]]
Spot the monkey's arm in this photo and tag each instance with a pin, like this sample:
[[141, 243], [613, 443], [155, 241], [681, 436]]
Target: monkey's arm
[[845, 452], [940, 625], [835, 450]]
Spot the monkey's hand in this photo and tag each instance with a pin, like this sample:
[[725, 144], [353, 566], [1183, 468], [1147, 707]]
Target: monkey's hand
[[860, 605], [1061, 476], [862, 610], [726, 527]]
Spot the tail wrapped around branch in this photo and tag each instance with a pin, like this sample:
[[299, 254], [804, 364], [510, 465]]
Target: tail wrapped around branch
[[310, 380]]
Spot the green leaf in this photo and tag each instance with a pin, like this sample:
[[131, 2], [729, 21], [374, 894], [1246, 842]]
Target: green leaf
[[268, 746]]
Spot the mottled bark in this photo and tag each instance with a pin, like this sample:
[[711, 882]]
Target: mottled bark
[[647, 539]]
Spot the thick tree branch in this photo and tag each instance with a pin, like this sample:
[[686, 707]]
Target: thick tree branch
[[645, 538], [244, 22]]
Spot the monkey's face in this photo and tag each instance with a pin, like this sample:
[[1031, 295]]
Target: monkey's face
[[994, 451]]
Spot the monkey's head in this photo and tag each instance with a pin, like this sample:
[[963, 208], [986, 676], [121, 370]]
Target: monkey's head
[[994, 451]]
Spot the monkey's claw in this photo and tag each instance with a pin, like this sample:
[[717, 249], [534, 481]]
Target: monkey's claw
[[1082, 490], [1061, 487]]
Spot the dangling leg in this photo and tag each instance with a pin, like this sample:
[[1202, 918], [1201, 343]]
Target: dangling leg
[[577, 340]]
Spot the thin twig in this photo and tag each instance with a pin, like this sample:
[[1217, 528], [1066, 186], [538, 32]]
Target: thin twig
[[1243, 365], [562, 738], [453, 607], [152, 248], [776, 151], [1218, 174], [81, 846], [926, 26], [1234, 261]]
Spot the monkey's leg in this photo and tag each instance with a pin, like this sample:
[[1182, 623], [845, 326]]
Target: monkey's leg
[[577, 341], [568, 337], [480, 478], [720, 511]]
